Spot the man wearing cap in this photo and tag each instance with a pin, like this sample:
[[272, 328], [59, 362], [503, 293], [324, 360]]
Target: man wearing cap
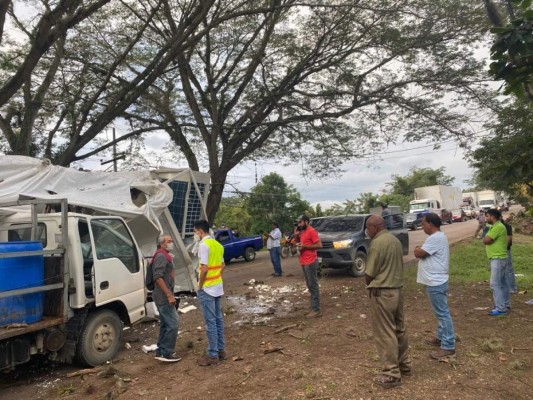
[[309, 243]]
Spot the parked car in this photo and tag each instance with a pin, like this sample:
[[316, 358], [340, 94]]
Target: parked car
[[344, 244], [470, 211], [413, 221], [237, 247], [445, 215], [459, 215]]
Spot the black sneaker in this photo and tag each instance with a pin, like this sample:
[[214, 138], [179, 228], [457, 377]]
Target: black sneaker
[[168, 359]]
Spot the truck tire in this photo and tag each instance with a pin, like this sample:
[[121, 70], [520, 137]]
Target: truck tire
[[100, 338], [249, 254], [358, 266]]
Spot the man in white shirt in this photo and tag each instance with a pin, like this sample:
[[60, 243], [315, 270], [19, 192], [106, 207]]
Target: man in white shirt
[[274, 248], [433, 272]]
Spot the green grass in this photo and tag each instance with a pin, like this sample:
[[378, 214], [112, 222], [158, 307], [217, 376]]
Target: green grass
[[469, 263]]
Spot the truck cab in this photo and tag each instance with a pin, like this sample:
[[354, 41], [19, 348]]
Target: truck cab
[[93, 284]]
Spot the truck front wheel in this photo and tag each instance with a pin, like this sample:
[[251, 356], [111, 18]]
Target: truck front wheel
[[249, 254], [100, 338], [358, 266]]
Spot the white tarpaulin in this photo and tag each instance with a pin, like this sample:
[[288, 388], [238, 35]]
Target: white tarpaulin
[[107, 192]]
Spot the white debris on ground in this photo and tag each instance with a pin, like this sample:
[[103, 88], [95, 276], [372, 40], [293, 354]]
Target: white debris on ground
[[185, 310], [258, 308]]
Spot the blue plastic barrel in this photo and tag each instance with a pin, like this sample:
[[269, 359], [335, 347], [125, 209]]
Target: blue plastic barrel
[[21, 273]]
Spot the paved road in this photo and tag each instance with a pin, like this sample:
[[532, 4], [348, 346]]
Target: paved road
[[239, 272]]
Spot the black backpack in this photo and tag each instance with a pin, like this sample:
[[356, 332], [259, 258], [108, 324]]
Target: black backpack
[[149, 279]]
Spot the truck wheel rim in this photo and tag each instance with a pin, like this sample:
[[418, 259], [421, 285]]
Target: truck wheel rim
[[359, 264], [104, 337]]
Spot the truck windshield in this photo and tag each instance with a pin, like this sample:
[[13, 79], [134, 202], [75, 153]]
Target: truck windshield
[[354, 224], [419, 206]]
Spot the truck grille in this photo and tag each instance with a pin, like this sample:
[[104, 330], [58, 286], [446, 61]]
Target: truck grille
[[327, 245]]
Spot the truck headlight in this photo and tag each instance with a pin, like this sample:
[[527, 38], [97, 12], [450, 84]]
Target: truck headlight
[[341, 244]]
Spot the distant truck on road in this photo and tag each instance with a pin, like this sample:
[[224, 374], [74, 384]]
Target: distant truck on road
[[435, 199], [237, 247], [489, 199]]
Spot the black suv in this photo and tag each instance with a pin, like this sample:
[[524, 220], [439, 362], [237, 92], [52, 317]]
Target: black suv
[[344, 244]]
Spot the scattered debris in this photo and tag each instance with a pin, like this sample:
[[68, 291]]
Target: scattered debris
[[186, 309], [127, 346], [81, 372], [285, 328], [237, 358], [272, 349], [362, 316], [147, 349]]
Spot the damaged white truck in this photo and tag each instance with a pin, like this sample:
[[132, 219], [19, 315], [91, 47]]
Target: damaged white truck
[[74, 247]]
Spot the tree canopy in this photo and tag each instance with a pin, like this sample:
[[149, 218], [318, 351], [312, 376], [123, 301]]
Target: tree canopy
[[273, 200], [512, 50], [233, 80], [504, 160]]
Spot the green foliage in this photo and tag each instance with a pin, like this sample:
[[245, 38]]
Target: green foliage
[[505, 161], [418, 177], [272, 200], [512, 51], [367, 201], [396, 200], [232, 213]]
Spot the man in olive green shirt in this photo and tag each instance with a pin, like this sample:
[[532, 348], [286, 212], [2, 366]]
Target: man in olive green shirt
[[384, 279], [496, 242]]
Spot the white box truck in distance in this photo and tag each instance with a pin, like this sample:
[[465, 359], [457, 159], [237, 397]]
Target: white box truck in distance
[[430, 198], [488, 199]]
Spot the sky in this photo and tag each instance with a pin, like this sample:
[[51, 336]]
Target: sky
[[360, 176]]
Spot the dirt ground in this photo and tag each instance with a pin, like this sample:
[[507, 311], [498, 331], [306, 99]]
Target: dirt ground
[[332, 357]]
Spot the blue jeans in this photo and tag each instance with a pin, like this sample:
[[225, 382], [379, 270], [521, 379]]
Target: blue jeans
[[275, 257], [168, 329], [214, 322], [511, 281], [438, 298], [311, 280], [499, 284]]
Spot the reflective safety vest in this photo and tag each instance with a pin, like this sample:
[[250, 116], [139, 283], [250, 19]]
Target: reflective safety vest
[[214, 263]]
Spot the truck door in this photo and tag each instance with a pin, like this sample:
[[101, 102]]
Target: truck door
[[117, 265]]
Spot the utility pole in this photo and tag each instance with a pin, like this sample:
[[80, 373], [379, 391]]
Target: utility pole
[[115, 157], [114, 152]]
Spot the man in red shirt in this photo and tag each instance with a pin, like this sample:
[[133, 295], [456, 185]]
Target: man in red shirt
[[309, 242]]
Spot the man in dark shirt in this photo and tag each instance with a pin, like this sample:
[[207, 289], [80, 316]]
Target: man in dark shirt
[[384, 280], [163, 295]]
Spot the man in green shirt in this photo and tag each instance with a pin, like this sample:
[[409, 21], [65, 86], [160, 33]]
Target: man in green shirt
[[384, 280], [496, 242]]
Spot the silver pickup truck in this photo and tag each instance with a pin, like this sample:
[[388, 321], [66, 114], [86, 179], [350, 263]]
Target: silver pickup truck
[[344, 244]]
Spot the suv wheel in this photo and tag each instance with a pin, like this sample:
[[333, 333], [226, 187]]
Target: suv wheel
[[358, 266]]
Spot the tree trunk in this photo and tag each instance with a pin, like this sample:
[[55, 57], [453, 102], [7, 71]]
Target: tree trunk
[[218, 180]]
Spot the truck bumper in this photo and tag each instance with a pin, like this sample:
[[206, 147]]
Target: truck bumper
[[336, 258]]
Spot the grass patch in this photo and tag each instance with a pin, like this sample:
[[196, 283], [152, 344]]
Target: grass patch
[[469, 263]]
